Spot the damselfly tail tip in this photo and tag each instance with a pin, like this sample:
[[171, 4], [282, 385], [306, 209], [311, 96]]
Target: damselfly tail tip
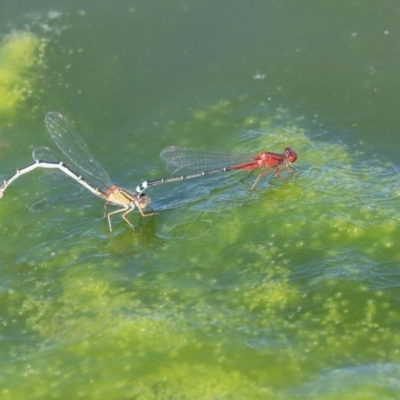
[[139, 191]]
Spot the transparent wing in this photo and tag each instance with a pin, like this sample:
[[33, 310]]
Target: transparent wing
[[45, 154], [61, 204], [185, 160], [72, 146]]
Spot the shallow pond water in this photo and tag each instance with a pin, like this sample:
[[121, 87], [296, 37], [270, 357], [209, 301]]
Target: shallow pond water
[[289, 291]]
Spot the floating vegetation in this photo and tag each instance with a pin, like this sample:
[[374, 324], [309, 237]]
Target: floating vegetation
[[21, 56], [225, 294]]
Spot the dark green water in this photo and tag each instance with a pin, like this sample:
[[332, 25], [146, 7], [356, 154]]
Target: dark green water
[[287, 292]]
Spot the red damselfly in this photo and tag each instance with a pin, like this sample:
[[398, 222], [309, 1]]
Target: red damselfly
[[186, 163]]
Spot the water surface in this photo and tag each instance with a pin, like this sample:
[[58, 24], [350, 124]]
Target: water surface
[[289, 291]]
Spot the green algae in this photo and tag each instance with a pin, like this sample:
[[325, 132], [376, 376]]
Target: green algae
[[21, 59], [232, 295]]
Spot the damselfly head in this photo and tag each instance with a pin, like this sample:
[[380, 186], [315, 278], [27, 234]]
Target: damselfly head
[[291, 155], [143, 201]]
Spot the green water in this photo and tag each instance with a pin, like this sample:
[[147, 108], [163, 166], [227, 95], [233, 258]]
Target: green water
[[290, 291]]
